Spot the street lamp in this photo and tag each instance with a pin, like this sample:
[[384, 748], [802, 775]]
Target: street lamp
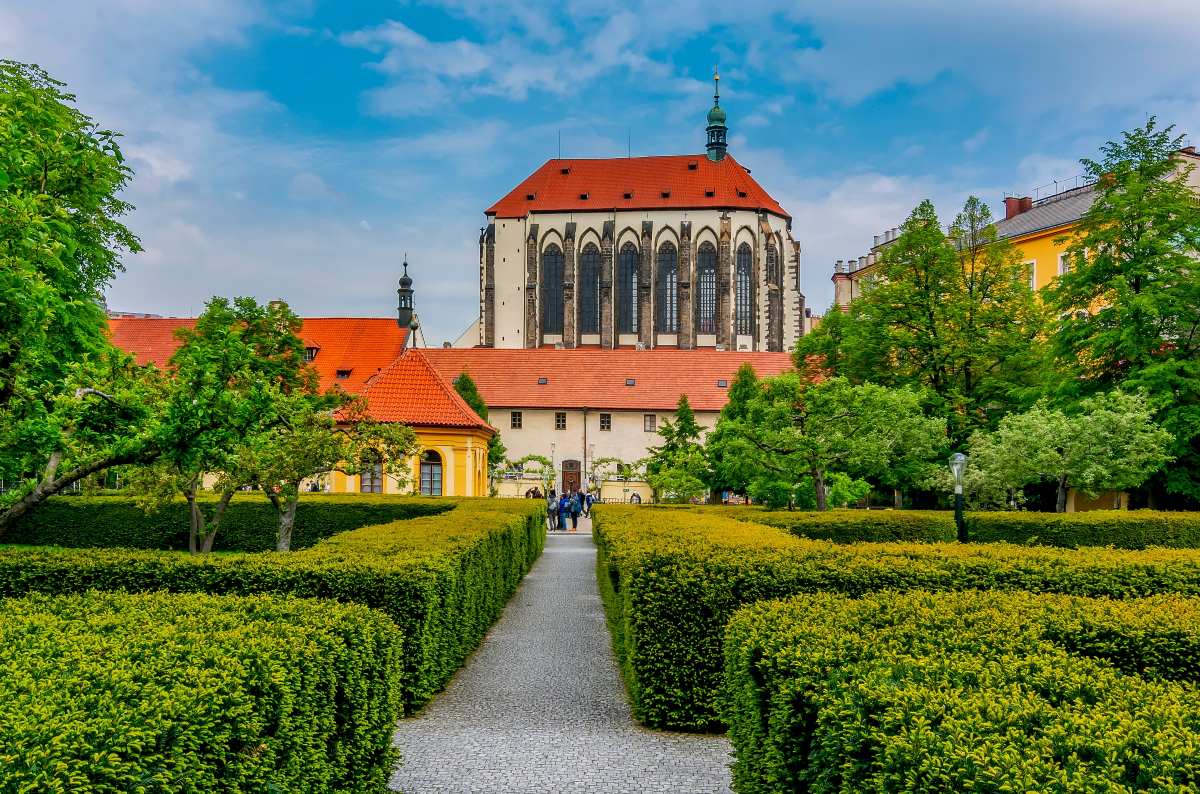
[[958, 465]]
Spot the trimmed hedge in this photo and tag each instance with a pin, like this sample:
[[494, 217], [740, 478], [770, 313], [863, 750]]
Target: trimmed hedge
[[250, 522], [671, 579], [923, 692], [442, 579], [1123, 529], [108, 692]]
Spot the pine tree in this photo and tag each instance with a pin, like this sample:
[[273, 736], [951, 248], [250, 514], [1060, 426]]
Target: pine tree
[[464, 384], [724, 448]]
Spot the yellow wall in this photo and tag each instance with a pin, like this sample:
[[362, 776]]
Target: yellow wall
[[1042, 251], [464, 464]]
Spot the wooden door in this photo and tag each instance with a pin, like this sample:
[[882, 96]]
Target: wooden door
[[571, 479]]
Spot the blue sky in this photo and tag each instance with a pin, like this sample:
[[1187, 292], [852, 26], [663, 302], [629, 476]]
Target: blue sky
[[299, 149]]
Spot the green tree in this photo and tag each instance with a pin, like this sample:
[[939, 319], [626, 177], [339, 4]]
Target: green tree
[[725, 449], [1130, 304], [952, 313], [229, 381], [677, 469], [796, 431], [1111, 444], [62, 386], [497, 452], [312, 440]]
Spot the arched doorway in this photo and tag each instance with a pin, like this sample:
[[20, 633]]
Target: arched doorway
[[431, 473]]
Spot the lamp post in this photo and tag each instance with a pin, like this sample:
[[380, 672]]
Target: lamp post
[[958, 465]]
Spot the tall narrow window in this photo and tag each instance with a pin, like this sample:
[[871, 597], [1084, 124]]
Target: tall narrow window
[[627, 285], [706, 278], [589, 290], [743, 299], [668, 289], [552, 290], [431, 474], [370, 479]]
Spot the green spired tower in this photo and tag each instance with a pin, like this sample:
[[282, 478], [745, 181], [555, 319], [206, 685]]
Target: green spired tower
[[716, 123]]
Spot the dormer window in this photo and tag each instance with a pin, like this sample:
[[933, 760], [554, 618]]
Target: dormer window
[[310, 353], [741, 194], [628, 194], [666, 194], [530, 196], [342, 374], [564, 170], [710, 193], [583, 196], [693, 165], [543, 381]]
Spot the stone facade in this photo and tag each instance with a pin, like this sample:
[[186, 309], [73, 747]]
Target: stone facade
[[513, 248]]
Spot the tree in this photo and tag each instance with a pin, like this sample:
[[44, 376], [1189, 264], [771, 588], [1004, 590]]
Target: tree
[[1130, 303], [677, 469], [952, 313], [312, 440], [60, 243], [725, 449], [797, 431], [1111, 444], [541, 467], [467, 389], [229, 381]]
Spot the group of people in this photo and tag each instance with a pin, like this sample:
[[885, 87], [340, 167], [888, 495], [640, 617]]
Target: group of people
[[567, 507]]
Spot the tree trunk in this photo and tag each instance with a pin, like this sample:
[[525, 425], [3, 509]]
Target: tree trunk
[[287, 519], [1061, 505], [203, 533], [1116, 500], [52, 484], [818, 477], [898, 498]]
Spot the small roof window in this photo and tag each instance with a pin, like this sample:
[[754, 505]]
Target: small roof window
[[630, 382], [543, 381], [583, 196], [722, 383], [741, 194], [628, 194], [666, 194], [709, 192], [693, 165], [530, 196], [565, 170], [343, 374]]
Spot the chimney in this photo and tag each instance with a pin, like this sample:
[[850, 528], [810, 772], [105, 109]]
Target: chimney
[[876, 245], [837, 266], [1015, 205], [862, 262], [870, 259]]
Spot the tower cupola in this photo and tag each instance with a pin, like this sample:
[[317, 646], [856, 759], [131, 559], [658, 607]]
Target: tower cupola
[[717, 131], [404, 302]]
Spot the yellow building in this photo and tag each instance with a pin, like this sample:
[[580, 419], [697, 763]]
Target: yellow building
[[1039, 227], [454, 441]]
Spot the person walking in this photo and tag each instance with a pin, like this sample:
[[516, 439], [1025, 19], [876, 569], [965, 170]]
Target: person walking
[[564, 510], [587, 504], [576, 509], [552, 510]]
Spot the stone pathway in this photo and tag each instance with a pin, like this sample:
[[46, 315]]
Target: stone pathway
[[540, 707]]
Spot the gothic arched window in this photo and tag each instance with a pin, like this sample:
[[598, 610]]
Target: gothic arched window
[[668, 289], [706, 292], [589, 290], [743, 295], [431, 473], [552, 290], [627, 286]]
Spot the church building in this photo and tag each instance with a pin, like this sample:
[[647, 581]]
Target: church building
[[680, 251]]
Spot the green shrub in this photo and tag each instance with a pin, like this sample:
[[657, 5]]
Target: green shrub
[[112, 692], [672, 578], [1123, 529], [443, 579], [923, 692], [250, 522]]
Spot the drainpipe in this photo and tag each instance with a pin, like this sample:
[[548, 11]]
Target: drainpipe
[[583, 457]]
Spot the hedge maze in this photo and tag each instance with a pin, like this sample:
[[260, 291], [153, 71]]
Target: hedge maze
[[911, 665], [271, 671]]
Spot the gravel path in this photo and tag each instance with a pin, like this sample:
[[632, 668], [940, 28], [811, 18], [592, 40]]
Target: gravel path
[[540, 708]]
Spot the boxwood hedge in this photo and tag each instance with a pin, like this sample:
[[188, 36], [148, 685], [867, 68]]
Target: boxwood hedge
[[250, 522], [671, 579], [443, 579], [1124, 529], [921, 692], [112, 692]]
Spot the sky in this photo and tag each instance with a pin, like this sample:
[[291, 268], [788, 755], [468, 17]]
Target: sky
[[301, 149]]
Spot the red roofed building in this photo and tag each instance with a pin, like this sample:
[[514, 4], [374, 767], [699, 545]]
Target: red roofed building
[[682, 252], [579, 406]]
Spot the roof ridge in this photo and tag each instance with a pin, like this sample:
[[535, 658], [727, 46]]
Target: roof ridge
[[447, 386]]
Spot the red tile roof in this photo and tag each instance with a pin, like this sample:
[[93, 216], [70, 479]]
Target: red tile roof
[[361, 346], [606, 182], [597, 378], [412, 391]]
